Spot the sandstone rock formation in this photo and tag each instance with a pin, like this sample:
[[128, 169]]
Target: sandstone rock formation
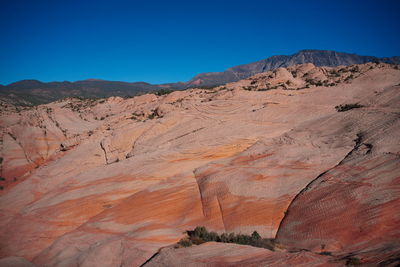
[[33, 92], [111, 182]]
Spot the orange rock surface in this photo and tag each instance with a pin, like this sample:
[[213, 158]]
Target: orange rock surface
[[111, 182]]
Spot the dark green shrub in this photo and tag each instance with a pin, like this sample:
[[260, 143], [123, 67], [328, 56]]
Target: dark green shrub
[[353, 261], [346, 107], [325, 253], [348, 78], [200, 231], [255, 235], [201, 235], [318, 83], [163, 92], [184, 242]]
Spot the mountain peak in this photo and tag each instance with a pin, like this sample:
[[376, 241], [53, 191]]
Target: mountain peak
[[317, 57]]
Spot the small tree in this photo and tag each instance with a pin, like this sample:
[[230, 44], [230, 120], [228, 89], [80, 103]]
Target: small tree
[[255, 235]]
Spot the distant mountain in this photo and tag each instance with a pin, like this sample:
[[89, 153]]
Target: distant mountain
[[32, 92], [317, 57]]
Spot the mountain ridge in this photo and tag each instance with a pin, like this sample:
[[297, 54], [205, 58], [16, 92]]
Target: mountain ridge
[[32, 92], [319, 58]]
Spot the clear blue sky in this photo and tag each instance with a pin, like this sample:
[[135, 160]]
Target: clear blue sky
[[168, 41]]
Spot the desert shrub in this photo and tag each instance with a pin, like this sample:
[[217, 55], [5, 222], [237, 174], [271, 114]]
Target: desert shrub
[[255, 235], [249, 88], [352, 261], [2, 178], [348, 78], [201, 235], [319, 83], [346, 107], [355, 69], [313, 82], [184, 242], [163, 92], [334, 73], [200, 231]]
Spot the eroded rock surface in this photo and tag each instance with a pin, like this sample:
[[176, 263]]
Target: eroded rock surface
[[110, 182]]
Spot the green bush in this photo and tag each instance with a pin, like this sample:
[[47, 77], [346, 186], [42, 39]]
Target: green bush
[[184, 242], [346, 107], [163, 92], [255, 235], [352, 261], [201, 235]]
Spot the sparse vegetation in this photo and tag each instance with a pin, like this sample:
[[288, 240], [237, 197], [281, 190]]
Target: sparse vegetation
[[155, 114], [249, 88], [326, 253], [185, 242], [353, 261], [355, 69], [313, 82], [334, 73], [346, 107], [348, 78], [201, 235], [163, 92]]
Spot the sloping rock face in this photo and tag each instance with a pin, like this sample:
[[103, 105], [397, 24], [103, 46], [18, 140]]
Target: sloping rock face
[[110, 182], [217, 254], [15, 262]]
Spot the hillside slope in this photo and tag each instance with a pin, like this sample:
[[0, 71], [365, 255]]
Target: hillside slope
[[33, 92], [116, 182]]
